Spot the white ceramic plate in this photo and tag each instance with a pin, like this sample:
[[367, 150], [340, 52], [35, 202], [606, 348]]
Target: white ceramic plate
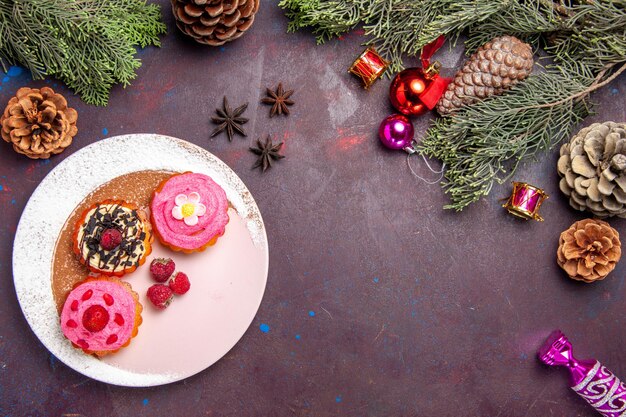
[[198, 328]]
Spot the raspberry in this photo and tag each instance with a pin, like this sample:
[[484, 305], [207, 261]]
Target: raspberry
[[179, 283], [162, 269], [95, 318], [110, 239], [160, 296]]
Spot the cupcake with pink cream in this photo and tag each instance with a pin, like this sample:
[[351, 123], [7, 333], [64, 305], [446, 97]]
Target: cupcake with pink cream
[[101, 315], [189, 212]]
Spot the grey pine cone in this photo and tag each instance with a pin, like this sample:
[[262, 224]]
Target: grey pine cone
[[492, 69], [593, 169]]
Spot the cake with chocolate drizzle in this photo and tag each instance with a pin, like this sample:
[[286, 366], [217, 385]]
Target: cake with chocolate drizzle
[[112, 237]]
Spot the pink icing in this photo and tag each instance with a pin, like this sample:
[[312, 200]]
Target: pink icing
[[211, 224], [120, 303]]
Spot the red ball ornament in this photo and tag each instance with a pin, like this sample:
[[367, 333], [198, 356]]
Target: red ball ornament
[[417, 90], [405, 91], [414, 91]]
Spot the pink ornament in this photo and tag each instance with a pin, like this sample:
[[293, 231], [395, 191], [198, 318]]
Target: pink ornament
[[588, 378], [396, 132], [525, 201]]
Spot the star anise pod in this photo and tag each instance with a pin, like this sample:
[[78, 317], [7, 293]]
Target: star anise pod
[[279, 100], [229, 120], [267, 153]]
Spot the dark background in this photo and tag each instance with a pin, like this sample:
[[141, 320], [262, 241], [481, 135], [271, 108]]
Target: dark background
[[379, 303]]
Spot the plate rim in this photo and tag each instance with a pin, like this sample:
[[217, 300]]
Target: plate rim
[[25, 294]]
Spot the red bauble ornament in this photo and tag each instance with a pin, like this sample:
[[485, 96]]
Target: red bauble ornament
[[417, 90], [405, 90], [414, 91]]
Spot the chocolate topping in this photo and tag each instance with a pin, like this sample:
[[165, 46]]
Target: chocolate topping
[[102, 219]]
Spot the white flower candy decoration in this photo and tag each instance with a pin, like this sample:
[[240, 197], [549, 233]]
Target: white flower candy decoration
[[188, 208]]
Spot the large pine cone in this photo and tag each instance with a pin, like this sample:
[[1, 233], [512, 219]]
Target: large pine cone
[[214, 22], [38, 122], [589, 250], [593, 167], [493, 68]]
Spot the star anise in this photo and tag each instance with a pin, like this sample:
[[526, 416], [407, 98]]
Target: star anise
[[279, 100], [267, 153], [229, 120]]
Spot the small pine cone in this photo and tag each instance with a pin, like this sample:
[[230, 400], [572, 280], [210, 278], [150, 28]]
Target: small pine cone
[[492, 69], [593, 169], [214, 22], [38, 123], [589, 250]]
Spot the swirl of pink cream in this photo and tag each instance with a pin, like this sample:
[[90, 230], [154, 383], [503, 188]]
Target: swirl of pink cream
[[189, 211]]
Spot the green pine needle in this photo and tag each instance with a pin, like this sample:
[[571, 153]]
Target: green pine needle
[[87, 44]]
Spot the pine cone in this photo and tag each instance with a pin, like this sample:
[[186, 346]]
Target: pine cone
[[589, 250], [593, 167], [493, 68], [38, 122], [214, 22]]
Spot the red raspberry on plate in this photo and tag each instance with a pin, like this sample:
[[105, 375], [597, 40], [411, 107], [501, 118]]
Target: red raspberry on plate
[[95, 318], [160, 296], [162, 269], [110, 238], [180, 283]]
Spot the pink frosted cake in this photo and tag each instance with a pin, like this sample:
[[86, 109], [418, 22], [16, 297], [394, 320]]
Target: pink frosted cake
[[101, 315], [189, 212]]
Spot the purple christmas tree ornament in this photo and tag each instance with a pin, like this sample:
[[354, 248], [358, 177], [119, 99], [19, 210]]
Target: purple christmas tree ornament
[[588, 378]]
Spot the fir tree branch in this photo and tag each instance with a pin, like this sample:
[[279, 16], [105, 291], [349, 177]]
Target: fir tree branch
[[528, 21], [593, 87], [460, 15], [484, 143], [594, 36], [564, 11], [591, 31], [405, 20], [328, 18], [88, 44]]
